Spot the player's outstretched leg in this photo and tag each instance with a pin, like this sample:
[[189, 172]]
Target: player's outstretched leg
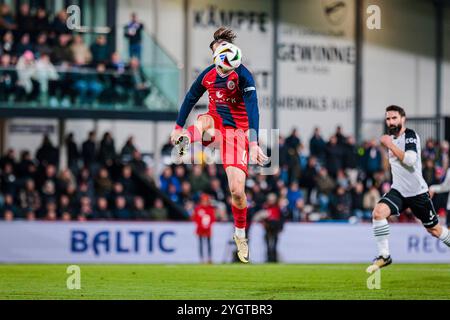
[[441, 233], [193, 134], [236, 182], [381, 233]]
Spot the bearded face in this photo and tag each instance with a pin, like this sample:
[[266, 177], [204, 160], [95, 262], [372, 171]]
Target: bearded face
[[394, 129]]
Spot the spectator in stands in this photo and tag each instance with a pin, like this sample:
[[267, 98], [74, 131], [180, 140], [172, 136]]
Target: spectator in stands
[[139, 82], [121, 212], [307, 180], [25, 21], [216, 190], [334, 156], [198, 179], [341, 204], [341, 138], [159, 211], [325, 186], [29, 198], [128, 148], [42, 47], [65, 179], [86, 211], [117, 191], [293, 141], [139, 212], [372, 159], [126, 180], [26, 168], [9, 157], [80, 51], [358, 209], [8, 78], [59, 24], [428, 171], [133, 32], [24, 45], [9, 210], [185, 193], [89, 151], [317, 146], [118, 92], [8, 180], [429, 152], [28, 88], [100, 50], [102, 212], [8, 45], [65, 208], [294, 194], [168, 178], [45, 72], [41, 23], [62, 53], [107, 152], [73, 155], [139, 166], [51, 213], [103, 182], [7, 20], [174, 194], [47, 153]]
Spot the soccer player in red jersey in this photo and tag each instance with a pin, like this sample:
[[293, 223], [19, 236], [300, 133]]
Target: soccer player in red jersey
[[232, 120]]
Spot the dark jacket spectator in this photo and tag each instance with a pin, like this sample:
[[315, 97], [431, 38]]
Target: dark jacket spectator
[[72, 151], [317, 146], [100, 50], [88, 150], [102, 212], [59, 24], [107, 152], [334, 156], [47, 153], [25, 21], [61, 52]]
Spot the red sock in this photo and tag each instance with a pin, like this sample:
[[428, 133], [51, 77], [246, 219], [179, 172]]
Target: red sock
[[240, 217], [194, 134]]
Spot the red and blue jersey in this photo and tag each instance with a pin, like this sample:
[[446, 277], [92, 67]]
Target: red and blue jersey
[[232, 98]]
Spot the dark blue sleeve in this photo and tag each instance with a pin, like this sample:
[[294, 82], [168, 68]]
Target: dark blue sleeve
[[248, 89], [193, 95]]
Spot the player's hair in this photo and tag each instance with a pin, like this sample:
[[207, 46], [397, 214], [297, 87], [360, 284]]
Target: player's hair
[[400, 110], [223, 34]]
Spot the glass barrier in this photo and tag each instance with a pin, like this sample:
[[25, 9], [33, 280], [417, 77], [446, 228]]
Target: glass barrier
[[141, 89], [161, 68]]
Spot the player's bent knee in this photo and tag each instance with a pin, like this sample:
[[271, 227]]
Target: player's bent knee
[[435, 231], [380, 212]]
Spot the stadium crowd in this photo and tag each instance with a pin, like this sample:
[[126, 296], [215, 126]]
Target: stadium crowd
[[42, 60], [336, 180]]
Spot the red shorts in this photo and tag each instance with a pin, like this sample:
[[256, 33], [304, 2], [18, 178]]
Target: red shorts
[[232, 142]]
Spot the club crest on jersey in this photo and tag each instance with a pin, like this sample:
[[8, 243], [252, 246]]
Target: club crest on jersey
[[231, 85]]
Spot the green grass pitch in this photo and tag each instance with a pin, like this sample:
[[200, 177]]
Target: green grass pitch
[[229, 281]]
